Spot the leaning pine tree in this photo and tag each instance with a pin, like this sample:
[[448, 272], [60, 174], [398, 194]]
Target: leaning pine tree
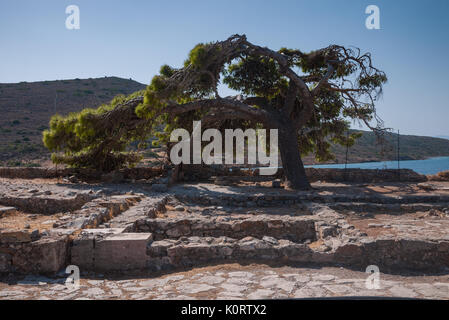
[[308, 97]]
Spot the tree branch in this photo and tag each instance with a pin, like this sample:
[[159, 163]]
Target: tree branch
[[290, 99], [323, 80]]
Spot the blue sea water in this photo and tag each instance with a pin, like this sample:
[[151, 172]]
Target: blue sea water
[[427, 166]]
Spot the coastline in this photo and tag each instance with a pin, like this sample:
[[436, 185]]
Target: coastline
[[308, 163]]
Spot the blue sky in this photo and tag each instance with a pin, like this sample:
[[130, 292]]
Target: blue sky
[[132, 39]]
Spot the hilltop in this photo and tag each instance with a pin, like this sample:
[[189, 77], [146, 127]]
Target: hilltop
[[367, 148], [26, 108]]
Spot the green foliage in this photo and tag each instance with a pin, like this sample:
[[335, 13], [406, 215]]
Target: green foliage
[[84, 139], [198, 56], [166, 71], [255, 76], [100, 138]]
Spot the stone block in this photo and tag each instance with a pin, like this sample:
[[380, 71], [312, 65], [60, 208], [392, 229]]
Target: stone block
[[47, 255], [83, 248], [15, 236], [82, 253], [52, 254], [125, 251]]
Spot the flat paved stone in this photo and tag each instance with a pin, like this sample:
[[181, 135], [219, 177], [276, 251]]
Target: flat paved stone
[[231, 281]]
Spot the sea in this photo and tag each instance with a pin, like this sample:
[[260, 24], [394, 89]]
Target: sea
[[427, 166]]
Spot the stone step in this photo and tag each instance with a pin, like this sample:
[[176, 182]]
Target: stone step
[[99, 211], [147, 208], [297, 229]]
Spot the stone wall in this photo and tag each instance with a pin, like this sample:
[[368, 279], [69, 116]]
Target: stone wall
[[88, 174], [389, 254], [20, 254], [197, 173], [314, 174], [364, 175], [297, 229], [31, 251], [46, 204]]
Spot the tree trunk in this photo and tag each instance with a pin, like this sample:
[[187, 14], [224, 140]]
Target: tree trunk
[[294, 172]]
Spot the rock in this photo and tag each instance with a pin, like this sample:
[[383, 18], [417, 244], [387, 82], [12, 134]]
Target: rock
[[73, 179], [427, 187], [328, 231], [112, 177], [261, 294], [179, 208], [211, 279], [7, 210], [323, 277], [375, 225], [241, 274], [13, 236], [338, 289], [270, 240], [158, 187], [49, 222], [94, 292], [192, 288], [276, 184]]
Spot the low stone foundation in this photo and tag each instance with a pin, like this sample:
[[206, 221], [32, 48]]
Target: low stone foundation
[[210, 197], [44, 204], [88, 174], [206, 172], [199, 224], [31, 251], [297, 229], [388, 254], [198, 173]]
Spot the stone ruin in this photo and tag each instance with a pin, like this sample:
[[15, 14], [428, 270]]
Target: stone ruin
[[144, 224]]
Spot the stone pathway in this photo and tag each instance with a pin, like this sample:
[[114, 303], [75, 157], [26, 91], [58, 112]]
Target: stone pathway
[[230, 281]]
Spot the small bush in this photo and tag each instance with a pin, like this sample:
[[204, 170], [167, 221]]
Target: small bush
[[440, 176]]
